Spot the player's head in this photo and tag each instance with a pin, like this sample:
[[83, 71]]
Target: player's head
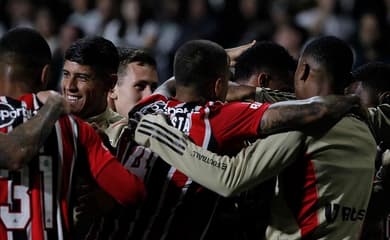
[[325, 62], [96, 52], [203, 67], [266, 64], [372, 83], [24, 60], [137, 78], [89, 73]]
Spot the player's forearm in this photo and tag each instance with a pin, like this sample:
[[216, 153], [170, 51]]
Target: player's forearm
[[21, 144], [222, 174], [300, 114]]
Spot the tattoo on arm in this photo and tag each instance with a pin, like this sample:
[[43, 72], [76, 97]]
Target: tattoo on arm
[[290, 117], [21, 144], [296, 115]]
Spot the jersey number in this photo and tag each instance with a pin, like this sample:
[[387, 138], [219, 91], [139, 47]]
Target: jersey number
[[19, 194], [140, 161]]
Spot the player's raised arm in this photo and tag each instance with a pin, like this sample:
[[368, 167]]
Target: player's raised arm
[[20, 145]]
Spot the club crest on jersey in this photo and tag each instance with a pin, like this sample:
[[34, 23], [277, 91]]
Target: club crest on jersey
[[8, 114]]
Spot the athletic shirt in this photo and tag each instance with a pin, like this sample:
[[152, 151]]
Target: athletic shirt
[[35, 202], [176, 207], [325, 194]]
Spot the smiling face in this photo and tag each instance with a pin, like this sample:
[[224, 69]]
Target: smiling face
[[139, 81], [83, 90]]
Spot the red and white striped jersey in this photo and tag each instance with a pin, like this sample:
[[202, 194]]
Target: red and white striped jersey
[[35, 202], [176, 207]]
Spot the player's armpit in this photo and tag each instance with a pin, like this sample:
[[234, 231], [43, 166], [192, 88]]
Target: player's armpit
[[315, 113], [222, 174]]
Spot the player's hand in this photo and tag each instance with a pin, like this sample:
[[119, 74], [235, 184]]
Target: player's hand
[[334, 107], [339, 105], [234, 53], [55, 99]]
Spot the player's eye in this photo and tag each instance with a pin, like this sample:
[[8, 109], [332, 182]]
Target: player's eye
[[140, 86]]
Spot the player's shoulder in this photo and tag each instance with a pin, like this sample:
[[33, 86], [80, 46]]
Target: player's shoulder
[[151, 99], [148, 104], [244, 105]]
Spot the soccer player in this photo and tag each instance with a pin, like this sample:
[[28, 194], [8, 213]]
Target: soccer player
[[177, 208], [137, 79], [265, 64], [372, 85], [37, 200], [89, 73], [324, 180]]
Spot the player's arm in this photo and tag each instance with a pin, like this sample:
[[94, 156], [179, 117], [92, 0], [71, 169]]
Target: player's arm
[[379, 120], [110, 175], [300, 114], [222, 174], [237, 92], [20, 145]]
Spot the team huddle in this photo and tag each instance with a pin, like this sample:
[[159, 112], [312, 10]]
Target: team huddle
[[286, 151]]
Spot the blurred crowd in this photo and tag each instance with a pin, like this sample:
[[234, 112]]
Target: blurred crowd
[[161, 26]]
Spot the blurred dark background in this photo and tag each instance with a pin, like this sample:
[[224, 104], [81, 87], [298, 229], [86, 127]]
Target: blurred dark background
[[162, 25]]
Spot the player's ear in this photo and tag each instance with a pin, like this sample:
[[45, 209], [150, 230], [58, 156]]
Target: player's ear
[[304, 72], [218, 86], [263, 80], [113, 93], [45, 76]]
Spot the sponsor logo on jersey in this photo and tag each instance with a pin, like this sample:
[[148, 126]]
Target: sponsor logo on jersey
[[8, 114], [346, 213]]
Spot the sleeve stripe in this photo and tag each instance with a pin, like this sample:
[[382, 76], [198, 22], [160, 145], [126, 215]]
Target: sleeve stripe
[[154, 131], [161, 140], [163, 130]]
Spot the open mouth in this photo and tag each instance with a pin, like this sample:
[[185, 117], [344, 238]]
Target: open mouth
[[72, 99]]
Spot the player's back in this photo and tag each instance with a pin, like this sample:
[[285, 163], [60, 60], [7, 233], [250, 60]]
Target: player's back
[[176, 207], [34, 199], [324, 195]]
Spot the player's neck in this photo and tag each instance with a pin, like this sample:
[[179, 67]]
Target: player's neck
[[13, 85], [184, 94], [14, 90]]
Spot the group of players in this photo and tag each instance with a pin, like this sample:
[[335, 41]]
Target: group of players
[[195, 166]]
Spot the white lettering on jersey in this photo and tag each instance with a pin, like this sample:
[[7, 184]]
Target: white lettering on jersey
[[255, 105], [8, 114], [139, 161], [20, 193]]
